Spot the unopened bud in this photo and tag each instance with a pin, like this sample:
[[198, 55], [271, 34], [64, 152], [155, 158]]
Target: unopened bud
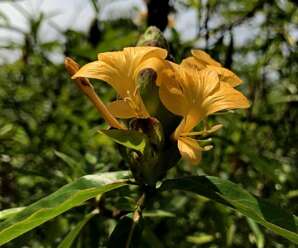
[[147, 167], [86, 87], [153, 37], [149, 91]]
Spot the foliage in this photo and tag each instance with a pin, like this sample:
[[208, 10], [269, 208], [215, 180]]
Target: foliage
[[49, 138]]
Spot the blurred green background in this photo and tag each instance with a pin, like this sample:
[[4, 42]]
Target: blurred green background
[[48, 129]]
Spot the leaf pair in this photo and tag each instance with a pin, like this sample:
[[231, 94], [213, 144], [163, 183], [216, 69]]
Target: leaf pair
[[87, 187]]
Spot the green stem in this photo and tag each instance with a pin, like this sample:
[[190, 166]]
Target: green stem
[[137, 214]]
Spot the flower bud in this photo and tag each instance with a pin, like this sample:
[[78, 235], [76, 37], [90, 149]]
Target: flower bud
[[146, 167], [146, 82], [149, 90], [87, 88], [160, 154], [153, 37]]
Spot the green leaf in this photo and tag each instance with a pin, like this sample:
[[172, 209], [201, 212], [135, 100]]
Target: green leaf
[[4, 214], [6, 130], [67, 197], [128, 138], [127, 233], [150, 239], [260, 240], [67, 159], [200, 239], [232, 195], [71, 236], [73, 164], [50, 46], [158, 214]]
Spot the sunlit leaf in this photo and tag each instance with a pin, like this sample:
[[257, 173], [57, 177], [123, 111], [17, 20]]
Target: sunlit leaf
[[4, 214], [200, 239], [67, 197], [130, 139], [158, 214], [232, 195], [260, 240]]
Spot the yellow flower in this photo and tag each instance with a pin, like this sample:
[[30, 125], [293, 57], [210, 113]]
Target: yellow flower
[[201, 60], [120, 69], [194, 95]]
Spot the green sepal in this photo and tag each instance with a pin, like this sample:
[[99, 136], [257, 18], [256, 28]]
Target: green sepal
[[153, 37], [129, 138]]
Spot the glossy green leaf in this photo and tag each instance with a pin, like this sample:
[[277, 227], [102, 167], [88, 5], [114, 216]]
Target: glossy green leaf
[[232, 195], [4, 214], [128, 138], [67, 197], [71, 236]]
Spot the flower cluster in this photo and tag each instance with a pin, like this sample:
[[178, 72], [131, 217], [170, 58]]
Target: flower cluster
[[194, 89]]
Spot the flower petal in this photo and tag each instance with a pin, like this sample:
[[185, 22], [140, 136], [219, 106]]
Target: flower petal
[[190, 149], [206, 82], [156, 64], [226, 75], [201, 60], [192, 62], [204, 58], [196, 86], [170, 91], [192, 119], [92, 70], [106, 72], [120, 69], [145, 52], [224, 99], [121, 109], [167, 73]]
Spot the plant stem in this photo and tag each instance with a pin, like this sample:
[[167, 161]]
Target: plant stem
[[137, 214]]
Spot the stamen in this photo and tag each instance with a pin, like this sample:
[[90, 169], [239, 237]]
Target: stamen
[[133, 105], [194, 133], [204, 132], [215, 128]]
